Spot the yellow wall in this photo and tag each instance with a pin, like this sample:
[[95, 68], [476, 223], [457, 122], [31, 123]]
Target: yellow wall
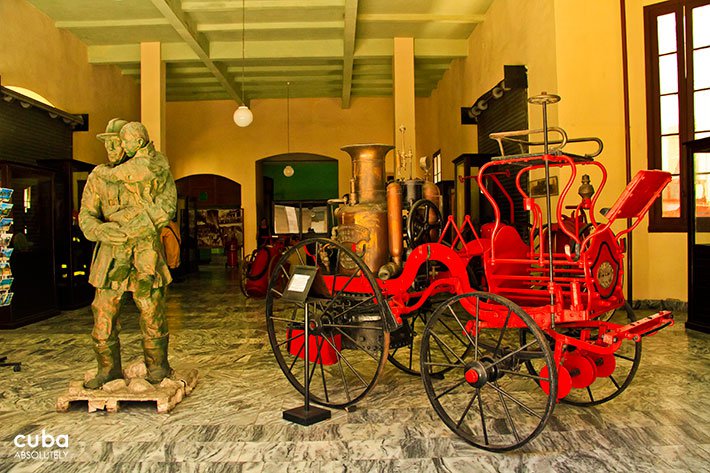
[[427, 118], [514, 32], [202, 138], [590, 82], [571, 48], [54, 63]]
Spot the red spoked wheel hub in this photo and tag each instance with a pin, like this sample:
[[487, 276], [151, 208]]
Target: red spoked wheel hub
[[478, 373], [581, 370], [604, 365]]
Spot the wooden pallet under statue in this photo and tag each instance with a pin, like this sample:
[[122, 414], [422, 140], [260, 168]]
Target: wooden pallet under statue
[[133, 388]]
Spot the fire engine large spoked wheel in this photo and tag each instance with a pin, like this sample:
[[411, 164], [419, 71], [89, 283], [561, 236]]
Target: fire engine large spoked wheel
[[486, 396], [348, 342], [618, 370]]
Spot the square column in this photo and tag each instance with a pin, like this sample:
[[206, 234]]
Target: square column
[[153, 93], [403, 93]]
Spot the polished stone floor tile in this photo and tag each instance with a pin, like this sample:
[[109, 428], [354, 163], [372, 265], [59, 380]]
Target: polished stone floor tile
[[233, 422]]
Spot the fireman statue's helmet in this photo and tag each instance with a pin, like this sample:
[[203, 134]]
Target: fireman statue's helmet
[[112, 129]]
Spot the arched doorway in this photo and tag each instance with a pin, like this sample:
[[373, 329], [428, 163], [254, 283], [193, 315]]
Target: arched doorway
[[210, 214], [292, 191]]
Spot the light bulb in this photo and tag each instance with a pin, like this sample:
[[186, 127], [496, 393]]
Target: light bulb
[[243, 116]]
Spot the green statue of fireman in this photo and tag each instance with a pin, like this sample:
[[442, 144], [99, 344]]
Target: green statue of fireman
[[125, 204]]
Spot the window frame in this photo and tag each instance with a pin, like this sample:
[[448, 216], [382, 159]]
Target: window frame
[[436, 175], [683, 16]]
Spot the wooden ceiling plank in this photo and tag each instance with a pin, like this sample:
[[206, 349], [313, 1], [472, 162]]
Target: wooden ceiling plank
[[123, 23], [350, 17], [272, 26], [423, 48], [236, 5], [115, 54], [232, 50], [287, 69], [292, 79], [421, 18]]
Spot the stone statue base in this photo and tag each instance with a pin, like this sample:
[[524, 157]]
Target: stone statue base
[[133, 387]]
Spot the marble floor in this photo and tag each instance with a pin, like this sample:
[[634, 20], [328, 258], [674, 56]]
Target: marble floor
[[233, 419]]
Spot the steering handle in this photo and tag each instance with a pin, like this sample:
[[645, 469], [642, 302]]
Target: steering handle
[[544, 98]]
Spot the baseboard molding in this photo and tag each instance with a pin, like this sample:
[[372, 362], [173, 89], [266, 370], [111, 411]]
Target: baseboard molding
[[675, 305]]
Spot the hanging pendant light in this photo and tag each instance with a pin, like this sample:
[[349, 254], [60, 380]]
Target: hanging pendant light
[[243, 116]]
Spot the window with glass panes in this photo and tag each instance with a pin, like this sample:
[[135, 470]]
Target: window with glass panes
[[678, 99], [437, 166]]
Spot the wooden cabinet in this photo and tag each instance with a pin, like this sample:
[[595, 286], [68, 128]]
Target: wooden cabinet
[[33, 255], [73, 251], [469, 200]]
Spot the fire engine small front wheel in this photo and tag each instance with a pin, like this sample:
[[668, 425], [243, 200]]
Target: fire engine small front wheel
[[485, 395]]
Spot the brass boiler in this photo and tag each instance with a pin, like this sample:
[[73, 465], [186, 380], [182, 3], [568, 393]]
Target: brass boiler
[[363, 221], [403, 195], [416, 189]]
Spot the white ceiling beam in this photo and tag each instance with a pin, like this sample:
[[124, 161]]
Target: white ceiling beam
[[129, 23], [198, 42], [421, 18], [191, 80], [131, 53], [423, 48], [293, 79], [296, 86], [115, 54], [204, 88], [231, 50], [288, 69], [266, 50], [274, 26], [236, 5], [195, 96], [278, 71], [350, 17]]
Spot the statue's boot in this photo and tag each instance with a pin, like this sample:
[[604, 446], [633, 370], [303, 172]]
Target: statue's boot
[[155, 353], [108, 357]]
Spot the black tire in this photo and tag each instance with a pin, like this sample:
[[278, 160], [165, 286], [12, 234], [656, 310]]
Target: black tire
[[502, 407], [353, 320], [406, 355]]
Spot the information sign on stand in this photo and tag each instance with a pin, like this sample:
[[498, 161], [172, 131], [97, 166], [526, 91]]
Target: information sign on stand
[[300, 284], [297, 292]]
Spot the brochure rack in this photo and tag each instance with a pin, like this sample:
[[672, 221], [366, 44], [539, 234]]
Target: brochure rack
[[5, 253]]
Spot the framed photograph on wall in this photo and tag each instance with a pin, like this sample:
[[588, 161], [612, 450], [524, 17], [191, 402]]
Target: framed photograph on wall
[[537, 187]]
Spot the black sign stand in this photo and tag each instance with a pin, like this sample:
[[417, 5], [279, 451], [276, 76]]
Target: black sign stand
[[297, 291]]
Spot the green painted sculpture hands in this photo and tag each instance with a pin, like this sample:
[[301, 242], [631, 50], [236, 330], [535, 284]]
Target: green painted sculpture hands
[[111, 233]]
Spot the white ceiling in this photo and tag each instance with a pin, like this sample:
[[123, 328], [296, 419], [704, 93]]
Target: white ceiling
[[324, 48]]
